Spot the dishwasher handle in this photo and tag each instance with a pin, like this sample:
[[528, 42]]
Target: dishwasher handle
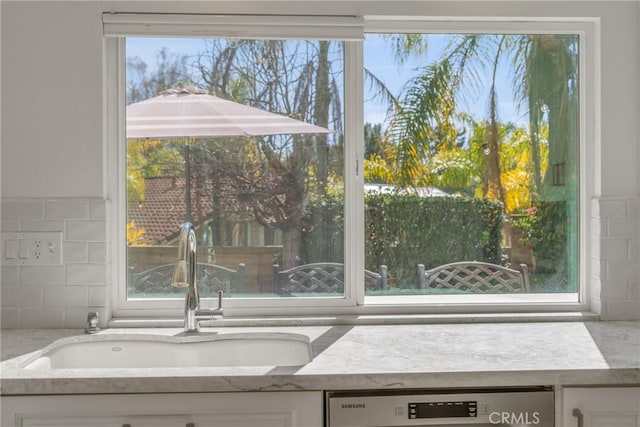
[[579, 415]]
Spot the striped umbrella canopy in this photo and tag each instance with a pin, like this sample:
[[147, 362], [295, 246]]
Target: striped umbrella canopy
[[191, 112]]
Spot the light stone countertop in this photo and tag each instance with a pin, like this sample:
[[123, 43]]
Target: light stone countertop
[[363, 357]]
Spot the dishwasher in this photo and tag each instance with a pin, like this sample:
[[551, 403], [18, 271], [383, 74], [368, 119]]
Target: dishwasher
[[506, 407]]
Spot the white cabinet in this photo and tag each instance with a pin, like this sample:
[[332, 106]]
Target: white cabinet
[[601, 407], [268, 409]]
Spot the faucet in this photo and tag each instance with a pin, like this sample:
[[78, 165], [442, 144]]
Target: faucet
[[93, 317], [184, 276]]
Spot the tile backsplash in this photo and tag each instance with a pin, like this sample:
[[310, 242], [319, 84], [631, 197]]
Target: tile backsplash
[[615, 258], [58, 296]]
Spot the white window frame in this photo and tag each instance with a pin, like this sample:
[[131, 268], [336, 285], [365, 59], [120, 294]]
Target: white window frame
[[117, 26]]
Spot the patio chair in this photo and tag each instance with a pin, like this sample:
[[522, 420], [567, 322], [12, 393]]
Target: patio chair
[[475, 277], [321, 277], [211, 278]]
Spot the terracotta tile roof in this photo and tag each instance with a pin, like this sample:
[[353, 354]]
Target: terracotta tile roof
[[163, 210]]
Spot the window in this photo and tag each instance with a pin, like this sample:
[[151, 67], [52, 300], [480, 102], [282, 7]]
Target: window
[[244, 139], [344, 173], [474, 159]]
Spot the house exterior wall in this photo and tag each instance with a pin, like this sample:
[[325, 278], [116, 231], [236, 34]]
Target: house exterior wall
[[53, 152]]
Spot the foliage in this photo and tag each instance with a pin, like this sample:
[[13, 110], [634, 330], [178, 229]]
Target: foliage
[[149, 159], [323, 229], [545, 228], [372, 139], [135, 235], [405, 230], [453, 170], [516, 163], [422, 123], [376, 169]]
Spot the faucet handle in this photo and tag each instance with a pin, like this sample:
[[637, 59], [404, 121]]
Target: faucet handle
[[210, 313], [220, 295]]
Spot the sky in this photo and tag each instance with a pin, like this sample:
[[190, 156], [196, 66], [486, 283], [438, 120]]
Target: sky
[[378, 59]]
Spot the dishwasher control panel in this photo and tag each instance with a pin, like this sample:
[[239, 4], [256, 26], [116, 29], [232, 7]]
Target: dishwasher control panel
[[506, 407], [450, 409]]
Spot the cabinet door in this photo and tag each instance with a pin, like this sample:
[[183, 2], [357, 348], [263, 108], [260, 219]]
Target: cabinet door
[[601, 407], [206, 420], [268, 409]]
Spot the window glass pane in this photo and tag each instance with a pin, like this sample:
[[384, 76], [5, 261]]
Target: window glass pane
[[243, 138], [472, 156]]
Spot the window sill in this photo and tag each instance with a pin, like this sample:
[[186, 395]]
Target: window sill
[[391, 319]]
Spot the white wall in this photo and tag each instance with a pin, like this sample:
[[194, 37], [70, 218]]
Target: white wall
[[52, 98]]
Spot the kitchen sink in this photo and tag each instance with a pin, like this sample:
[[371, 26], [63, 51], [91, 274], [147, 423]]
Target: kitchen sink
[[114, 351]]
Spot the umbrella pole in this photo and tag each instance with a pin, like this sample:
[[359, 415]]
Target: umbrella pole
[[187, 182]]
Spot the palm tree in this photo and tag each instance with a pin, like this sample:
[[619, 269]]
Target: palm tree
[[543, 74]]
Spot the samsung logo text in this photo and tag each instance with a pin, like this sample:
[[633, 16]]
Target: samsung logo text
[[353, 406]]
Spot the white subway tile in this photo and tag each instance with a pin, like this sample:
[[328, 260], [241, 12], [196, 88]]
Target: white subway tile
[[74, 252], [20, 210], [596, 227], [621, 270], [97, 210], [66, 296], [596, 306], [623, 310], [622, 227], [598, 268], [633, 208], [86, 274], [66, 210], [42, 275], [45, 318], [634, 251], [108, 247], [86, 231], [634, 290], [98, 296], [610, 208], [25, 296], [109, 273], [97, 252], [596, 286], [10, 276], [613, 248], [614, 290], [595, 207], [10, 225], [42, 225], [10, 318]]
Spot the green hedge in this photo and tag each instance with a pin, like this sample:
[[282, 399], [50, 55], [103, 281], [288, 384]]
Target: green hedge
[[404, 230]]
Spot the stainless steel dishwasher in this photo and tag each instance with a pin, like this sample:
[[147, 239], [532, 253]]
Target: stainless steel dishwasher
[[507, 407]]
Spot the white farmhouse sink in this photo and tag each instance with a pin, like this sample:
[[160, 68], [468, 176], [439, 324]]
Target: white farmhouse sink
[[111, 351]]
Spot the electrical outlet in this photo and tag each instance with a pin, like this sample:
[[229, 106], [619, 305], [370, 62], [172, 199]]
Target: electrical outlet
[[32, 248]]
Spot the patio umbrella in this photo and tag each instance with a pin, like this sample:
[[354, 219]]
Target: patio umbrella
[[189, 113], [192, 113]]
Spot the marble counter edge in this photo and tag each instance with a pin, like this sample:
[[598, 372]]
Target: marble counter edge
[[293, 382]]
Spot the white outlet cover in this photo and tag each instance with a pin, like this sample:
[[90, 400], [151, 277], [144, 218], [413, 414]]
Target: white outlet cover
[[31, 248]]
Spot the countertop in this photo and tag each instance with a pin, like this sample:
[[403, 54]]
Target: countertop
[[364, 357]]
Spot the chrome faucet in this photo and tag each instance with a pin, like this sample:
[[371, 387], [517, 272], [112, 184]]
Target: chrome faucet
[[184, 276], [93, 317]]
